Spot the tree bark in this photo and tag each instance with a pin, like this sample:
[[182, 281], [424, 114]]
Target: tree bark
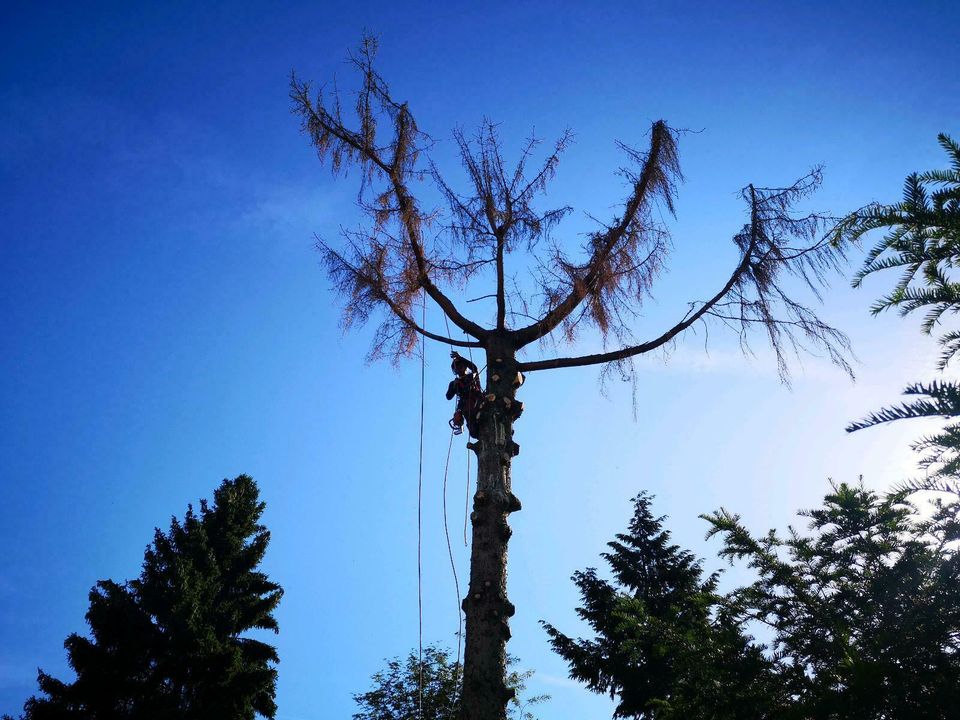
[[486, 607]]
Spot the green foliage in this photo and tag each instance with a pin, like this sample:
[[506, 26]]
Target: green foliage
[[665, 645], [923, 243], [862, 617], [170, 643], [864, 612], [395, 694], [940, 452]]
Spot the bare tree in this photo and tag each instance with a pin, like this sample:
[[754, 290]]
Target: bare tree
[[408, 252]]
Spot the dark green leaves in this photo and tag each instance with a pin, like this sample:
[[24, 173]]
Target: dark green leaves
[[864, 611], [923, 243]]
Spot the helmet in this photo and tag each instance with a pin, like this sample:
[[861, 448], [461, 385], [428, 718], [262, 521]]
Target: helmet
[[459, 365]]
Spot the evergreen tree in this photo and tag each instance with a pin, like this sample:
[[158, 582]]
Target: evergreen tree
[[171, 643], [864, 612], [923, 243], [396, 692], [666, 646], [862, 616]]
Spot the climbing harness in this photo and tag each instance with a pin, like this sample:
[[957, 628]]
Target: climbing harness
[[466, 388]]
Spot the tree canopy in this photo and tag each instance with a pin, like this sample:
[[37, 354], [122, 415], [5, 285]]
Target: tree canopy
[[864, 611], [860, 617], [665, 646], [404, 686], [173, 642], [412, 248]]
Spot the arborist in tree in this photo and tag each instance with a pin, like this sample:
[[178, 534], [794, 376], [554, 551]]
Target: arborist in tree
[[466, 387], [470, 400]]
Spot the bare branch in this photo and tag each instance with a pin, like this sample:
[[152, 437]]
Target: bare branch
[[623, 353], [498, 211]]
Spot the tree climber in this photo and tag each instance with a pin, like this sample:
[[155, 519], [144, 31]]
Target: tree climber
[[466, 386], [470, 401]]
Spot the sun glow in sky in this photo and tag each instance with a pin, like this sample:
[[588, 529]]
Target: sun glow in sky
[[166, 321]]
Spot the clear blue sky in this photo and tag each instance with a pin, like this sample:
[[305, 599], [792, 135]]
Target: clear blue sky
[[166, 322]]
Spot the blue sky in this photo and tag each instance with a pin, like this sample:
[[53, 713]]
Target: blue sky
[[166, 322]]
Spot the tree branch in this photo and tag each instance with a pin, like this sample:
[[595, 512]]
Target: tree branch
[[411, 221], [756, 287], [652, 177], [433, 336], [330, 135], [627, 352]]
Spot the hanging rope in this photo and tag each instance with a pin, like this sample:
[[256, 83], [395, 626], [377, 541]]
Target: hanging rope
[[446, 528], [453, 566], [466, 500], [423, 374], [446, 321], [466, 496]]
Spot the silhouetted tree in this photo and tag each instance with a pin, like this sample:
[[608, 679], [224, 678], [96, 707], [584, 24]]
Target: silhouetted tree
[[862, 616], [864, 611], [171, 643], [409, 252], [396, 692], [923, 243], [666, 646]]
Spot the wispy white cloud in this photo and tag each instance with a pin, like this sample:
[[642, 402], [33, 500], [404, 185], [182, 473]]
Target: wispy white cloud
[[287, 207]]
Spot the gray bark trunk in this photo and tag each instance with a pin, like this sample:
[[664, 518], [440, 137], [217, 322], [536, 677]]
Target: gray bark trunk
[[486, 607]]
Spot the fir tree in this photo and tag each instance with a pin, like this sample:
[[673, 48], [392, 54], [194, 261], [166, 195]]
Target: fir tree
[[665, 646], [172, 642], [862, 615]]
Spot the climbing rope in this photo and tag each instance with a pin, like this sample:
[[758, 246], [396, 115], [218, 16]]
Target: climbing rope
[[466, 496], [423, 374], [453, 566], [446, 526], [446, 529], [466, 500]]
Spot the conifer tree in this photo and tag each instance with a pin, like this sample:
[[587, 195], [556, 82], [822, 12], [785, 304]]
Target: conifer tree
[[173, 642], [665, 647], [412, 250], [864, 609], [862, 616]]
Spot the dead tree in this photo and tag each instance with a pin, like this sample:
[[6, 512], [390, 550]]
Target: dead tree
[[408, 252]]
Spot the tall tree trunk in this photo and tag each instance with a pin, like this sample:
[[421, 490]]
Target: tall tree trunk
[[487, 610]]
